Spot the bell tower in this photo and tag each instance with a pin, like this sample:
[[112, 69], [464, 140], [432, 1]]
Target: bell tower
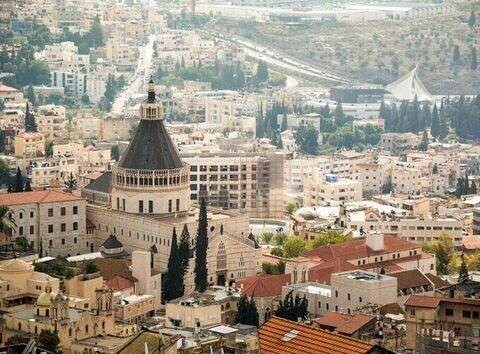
[[104, 299]]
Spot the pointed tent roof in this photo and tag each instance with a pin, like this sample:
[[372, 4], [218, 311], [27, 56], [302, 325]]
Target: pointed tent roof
[[112, 242], [409, 86]]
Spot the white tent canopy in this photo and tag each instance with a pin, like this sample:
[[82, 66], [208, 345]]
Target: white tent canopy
[[409, 86]]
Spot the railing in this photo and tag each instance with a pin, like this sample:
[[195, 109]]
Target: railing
[[125, 178]]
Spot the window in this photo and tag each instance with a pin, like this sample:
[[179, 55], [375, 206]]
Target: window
[[360, 299], [336, 293], [327, 306], [63, 211], [348, 297], [169, 205], [50, 229], [75, 226], [140, 206], [63, 241], [475, 314], [412, 312], [319, 305], [32, 230], [50, 212], [466, 314], [31, 214], [20, 215], [75, 210], [178, 205], [50, 243], [75, 240], [448, 312], [63, 227], [20, 230], [150, 206]]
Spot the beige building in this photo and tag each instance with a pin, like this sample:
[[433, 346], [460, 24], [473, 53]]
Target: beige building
[[329, 187], [29, 145], [249, 183], [398, 143], [50, 120], [134, 308], [222, 109], [53, 222], [149, 194]]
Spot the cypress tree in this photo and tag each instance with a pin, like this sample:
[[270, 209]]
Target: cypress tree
[[31, 95], [471, 20], [30, 124], [247, 311], [18, 186], [463, 272], [260, 131], [201, 275], [338, 115], [473, 188], [284, 122], [172, 284], [28, 187], [435, 126], [473, 57], [466, 183], [423, 146], [184, 248], [456, 54]]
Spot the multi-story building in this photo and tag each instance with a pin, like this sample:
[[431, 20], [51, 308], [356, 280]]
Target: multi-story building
[[250, 183], [87, 125], [329, 187], [64, 56], [406, 179], [29, 145], [53, 222], [442, 324], [222, 109], [50, 120], [398, 143], [72, 81]]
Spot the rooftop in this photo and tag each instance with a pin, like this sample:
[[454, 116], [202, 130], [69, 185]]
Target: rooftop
[[344, 323], [37, 197]]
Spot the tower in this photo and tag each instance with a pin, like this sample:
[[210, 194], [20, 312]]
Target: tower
[[104, 300], [150, 177]]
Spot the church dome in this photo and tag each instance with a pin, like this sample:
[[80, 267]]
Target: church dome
[[45, 299], [16, 265]]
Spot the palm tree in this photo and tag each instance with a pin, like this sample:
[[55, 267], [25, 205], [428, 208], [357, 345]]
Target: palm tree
[[6, 221]]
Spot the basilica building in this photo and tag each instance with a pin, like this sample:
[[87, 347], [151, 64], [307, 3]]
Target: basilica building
[[146, 196]]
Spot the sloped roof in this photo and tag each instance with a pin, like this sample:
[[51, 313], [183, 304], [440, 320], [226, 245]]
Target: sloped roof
[[5, 88], [409, 86], [322, 272], [111, 242], [111, 267], [281, 336], [410, 279], [45, 196], [101, 184], [264, 285], [344, 323], [119, 283], [423, 301], [357, 248], [151, 148], [437, 281]]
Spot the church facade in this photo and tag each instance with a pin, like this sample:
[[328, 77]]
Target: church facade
[[147, 195]]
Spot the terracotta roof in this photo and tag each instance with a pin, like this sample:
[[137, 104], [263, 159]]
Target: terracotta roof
[[264, 285], [410, 279], [437, 281], [5, 88], [119, 283], [45, 196], [322, 272], [111, 267], [280, 336], [344, 323], [423, 301], [357, 248], [393, 308]]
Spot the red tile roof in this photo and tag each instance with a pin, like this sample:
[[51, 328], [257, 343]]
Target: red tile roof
[[322, 272], [471, 242], [119, 283], [423, 301], [36, 197], [344, 323], [264, 285], [437, 281], [357, 248], [89, 224], [280, 336], [410, 279], [5, 88]]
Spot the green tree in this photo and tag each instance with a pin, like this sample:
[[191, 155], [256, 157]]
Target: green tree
[[2, 104], [201, 246], [94, 37], [443, 250], [31, 95], [473, 59], [280, 238], [28, 187], [423, 145], [262, 72], [49, 148], [339, 115], [306, 138], [463, 272], [30, 124], [184, 249], [284, 125], [327, 238], [259, 129], [472, 20], [267, 237], [291, 207], [115, 152], [277, 251], [49, 341], [293, 308], [91, 267], [435, 127], [173, 284], [293, 247], [247, 311], [456, 54], [18, 186]]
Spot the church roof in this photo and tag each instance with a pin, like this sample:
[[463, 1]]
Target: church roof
[[101, 184], [151, 148], [409, 86], [112, 242]]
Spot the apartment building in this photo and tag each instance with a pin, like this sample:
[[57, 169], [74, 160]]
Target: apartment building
[[134, 308], [87, 125], [373, 176], [222, 109], [120, 52], [406, 179], [250, 183], [53, 222], [347, 292], [72, 81], [50, 121], [320, 188], [442, 324], [12, 97], [29, 145], [398, 143], [64, 56]]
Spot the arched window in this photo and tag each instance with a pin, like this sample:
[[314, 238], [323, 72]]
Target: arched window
[[221, 257]]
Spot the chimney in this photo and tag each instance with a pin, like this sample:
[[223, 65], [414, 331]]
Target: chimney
[[375, 241]]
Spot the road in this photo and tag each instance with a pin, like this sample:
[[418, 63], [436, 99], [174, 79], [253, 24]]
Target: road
[[140, 77], [280, 60]]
